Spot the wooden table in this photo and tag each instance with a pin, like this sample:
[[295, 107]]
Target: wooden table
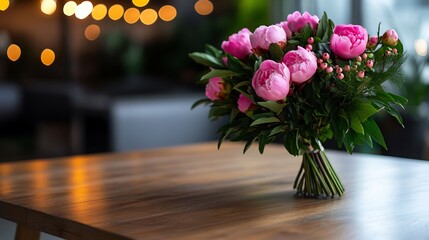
[[198, 192]]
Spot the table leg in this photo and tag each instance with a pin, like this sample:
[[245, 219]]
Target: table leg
[[26, 233]]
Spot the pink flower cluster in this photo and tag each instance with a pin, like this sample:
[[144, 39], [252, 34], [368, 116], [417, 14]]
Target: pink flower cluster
[[273, 80]]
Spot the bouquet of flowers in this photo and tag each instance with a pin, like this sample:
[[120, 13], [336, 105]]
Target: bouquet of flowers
[[303, 81]]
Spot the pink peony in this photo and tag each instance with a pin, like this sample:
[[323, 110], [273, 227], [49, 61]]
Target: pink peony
[[238, 44], [285, 27], [372, 42], [302, 64], [244, 103], [390, 38], [296, 21], [216, 89], [264, 36], [271, 81], [349, 41]]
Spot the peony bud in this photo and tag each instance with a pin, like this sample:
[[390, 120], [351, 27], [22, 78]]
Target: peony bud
[[238, 44], [372, 43], [390, 38], [217, 89], [264, 36], [244, 103], [296, 21]]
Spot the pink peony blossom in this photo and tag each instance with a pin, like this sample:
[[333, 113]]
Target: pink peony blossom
[[238, 44], [216, 89], [349, 41], [285, 27], [264, 36], [390, 38], [302, 64], [271, 81], [296, 21], [244, 103]]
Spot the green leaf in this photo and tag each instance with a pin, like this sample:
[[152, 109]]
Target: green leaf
[[276, 130], [275, 52], [323, 25], [206, 59], [308, 116], [213, 51], [372, 129], [234, 113], [237, 66], [365, 110], [394, 113], [199, 102], [262, 142], [273, 106], [248, 145], [218, 73], [223, 137], [264, 121], [291, 142], [257, 64], [401, 101], [348, 141], [356, 125]]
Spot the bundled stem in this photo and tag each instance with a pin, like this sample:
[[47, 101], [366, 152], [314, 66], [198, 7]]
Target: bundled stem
[[316, 177]]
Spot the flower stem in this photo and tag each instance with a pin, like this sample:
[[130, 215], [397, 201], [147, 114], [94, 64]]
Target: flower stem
[[316, 177]]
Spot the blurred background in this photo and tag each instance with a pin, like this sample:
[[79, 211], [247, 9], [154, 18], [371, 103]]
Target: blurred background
[[81, 77]]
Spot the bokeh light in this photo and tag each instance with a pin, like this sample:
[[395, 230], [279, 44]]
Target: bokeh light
[[99, 12], [83, 9], [132, 15], [203, 7], [13, 52], [92, 32], [48, 7], [4, 4], [421, 47], [167, 13], [116, 11], [47, 57], [148, 16], [69, 8], [140, 3]]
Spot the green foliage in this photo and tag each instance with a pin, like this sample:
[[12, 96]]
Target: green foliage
[[323, 108]]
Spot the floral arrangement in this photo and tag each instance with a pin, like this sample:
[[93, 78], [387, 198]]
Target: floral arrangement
[[303, 81]]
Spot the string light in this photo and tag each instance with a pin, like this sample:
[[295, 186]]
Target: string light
[[132, 15], [4, 4], [99, 12], [148, 16], [203, 7], [47, 57], [48, 7], [84, 9], [69, 8], [167, 13], [140, 3], [116, 11], [92, 32], [13, 52]]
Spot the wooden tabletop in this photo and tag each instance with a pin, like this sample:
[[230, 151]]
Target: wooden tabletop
[[198, 192]]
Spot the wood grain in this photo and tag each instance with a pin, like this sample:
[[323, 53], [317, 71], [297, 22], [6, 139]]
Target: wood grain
[[198, 192], [25, 233]]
